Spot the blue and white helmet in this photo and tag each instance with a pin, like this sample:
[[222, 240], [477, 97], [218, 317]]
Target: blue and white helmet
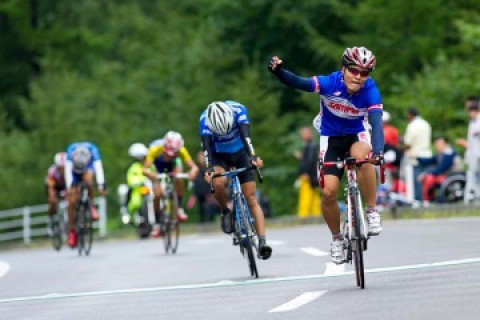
[[81, 158], [219, 118]]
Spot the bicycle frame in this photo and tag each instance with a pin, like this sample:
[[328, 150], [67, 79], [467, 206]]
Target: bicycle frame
[[170, 205], [245, 233], [357, 233]]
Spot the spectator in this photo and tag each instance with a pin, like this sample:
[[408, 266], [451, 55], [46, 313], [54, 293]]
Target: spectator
[[445, 162], [308, 193], [472, 145], [417, 143], [390, 133], [205, 199], [391, 152]]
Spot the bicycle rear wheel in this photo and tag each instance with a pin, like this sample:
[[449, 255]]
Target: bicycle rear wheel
[[357, 240], [248, 240], [57, 233]]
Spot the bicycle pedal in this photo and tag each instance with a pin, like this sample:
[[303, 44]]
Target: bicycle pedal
[[235, 241]]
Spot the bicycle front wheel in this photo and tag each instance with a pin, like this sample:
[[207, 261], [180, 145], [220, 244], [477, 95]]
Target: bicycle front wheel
[[80, 216], [167, 231], [57, 234], [247, 239], [357, 239], [88, 230]]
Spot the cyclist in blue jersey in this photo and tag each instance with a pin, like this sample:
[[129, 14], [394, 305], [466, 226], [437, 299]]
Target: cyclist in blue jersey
[[226, 143], [82, 163], [347, 98]]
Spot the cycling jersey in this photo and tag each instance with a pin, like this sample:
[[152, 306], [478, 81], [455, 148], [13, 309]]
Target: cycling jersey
[[156, 150], [232, 141], [95, 164], [55, 178], [343, 113]]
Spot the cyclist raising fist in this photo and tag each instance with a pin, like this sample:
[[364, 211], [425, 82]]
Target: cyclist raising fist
[[347, 97]]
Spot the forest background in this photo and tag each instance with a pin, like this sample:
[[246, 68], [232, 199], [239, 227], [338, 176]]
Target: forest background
[[116, 72]]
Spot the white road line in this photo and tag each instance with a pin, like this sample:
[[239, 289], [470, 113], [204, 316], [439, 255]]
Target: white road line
[[334, 269], [299, 301], [4, 267], [242, 283], [314, 252]]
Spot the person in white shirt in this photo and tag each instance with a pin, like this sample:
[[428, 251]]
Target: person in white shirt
[[472, 152], [418, 144]]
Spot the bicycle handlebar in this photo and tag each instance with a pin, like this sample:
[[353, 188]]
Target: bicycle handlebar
[[350, 161], [163, 175], [235, 172]]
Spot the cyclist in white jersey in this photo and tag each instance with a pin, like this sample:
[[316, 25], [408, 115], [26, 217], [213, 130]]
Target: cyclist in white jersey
[[347, 98]]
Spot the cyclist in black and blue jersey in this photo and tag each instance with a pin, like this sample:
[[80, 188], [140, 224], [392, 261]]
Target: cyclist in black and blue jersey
[[347, 98], [226, 143]]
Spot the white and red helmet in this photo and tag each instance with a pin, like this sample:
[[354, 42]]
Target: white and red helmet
[[172, 143], [59, 159], [359, 56]]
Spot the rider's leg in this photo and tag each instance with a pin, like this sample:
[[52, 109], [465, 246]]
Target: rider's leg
[[329, 204], [249, 191], [88, 178], [367, 179], [180, 190], [220, 188]]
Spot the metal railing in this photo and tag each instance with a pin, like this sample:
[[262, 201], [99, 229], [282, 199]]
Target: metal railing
[[31, 221]]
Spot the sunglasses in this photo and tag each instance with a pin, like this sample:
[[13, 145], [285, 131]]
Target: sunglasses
[[355, 72]]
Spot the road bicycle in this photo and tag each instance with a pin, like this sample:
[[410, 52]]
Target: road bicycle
[[354, 227], [244, 233], [58, 223], [169, 223], [83, 220]]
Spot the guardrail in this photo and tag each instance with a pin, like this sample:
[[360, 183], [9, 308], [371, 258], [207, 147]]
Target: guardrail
[[31, 221]]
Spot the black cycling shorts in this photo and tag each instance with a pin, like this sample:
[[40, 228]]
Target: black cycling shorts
[[238, 159], [336, 148]]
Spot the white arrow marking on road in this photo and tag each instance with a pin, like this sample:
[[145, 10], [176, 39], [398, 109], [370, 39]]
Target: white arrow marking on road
[[299, 301], [4, 267], [332, 268], [314, 252]]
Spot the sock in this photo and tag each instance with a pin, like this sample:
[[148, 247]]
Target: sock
[[337, 236], [371, 208], [226, 211]]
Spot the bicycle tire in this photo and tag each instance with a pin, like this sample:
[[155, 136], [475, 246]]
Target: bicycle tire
[[80, 226], [246, 242], [357, 242], [167, 233], [144, 228], [88, 230], [174, 224], [57, 239]]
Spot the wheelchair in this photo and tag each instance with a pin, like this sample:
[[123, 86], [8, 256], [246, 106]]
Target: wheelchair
[[452, 189]]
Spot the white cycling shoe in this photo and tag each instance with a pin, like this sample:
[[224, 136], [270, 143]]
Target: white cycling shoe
[[374, 223], [337, 251]]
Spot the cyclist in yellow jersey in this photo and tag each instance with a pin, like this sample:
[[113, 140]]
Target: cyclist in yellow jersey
[[164, 155]]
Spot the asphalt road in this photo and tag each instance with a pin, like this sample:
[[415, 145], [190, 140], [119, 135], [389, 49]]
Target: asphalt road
[[417, 269]]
